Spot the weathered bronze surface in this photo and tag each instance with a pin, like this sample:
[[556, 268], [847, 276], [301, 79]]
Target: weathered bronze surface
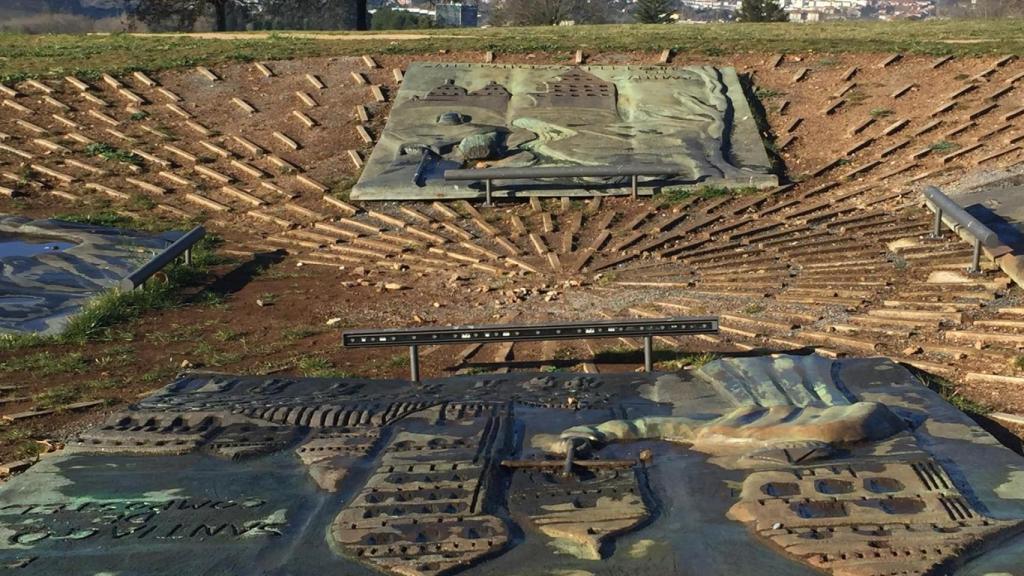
[[49, 269], [449, 116], [783, 465]]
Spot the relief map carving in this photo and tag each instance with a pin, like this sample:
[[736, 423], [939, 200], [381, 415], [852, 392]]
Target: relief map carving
[[782, 464], [451, 116]]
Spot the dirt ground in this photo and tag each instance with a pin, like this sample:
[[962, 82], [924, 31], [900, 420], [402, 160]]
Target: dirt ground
[[279, 306]]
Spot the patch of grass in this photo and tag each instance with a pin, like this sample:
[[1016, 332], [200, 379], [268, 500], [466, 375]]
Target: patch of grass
[[24, 446], [1018, 362], [25, 175], [563, 354], [342, 187], [115, 307], [753, 309], [881, 113], [397, 361], [57, 396], [950, 393], [943, 146], [677, 194], [226, 335], [317, 366], [139, 116], [46, 363], [86, 55], [855, 96], [108, 152], [210, 356], [211, 298], [141, 203], [116, 356], [763, 93], [474, 370], [301, 333], [10, 342], [100, 218], [159, 375], [693, 361]]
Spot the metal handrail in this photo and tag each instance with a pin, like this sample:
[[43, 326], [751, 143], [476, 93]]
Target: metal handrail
[[634, 171], [981, 234], [645, 328], [182, 245]]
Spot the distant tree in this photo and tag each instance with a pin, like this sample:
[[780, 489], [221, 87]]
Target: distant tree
[[182, 14], [315, 14], [386, 18], [761, 11], [653, 11], [549, 12]]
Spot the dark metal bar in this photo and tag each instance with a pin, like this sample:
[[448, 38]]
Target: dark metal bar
[[565, 172], [976, 258], [511, 333], [554, 464], [570, 455], [945, 206], [177, 248], [648, 354], [414, 363], [937, 224]]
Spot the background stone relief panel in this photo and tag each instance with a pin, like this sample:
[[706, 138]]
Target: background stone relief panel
[[856, 469], [49, 269], [449, 116]]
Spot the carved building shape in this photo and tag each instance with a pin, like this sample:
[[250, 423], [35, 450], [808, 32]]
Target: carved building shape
[[869, 519], [577, 89], [425, 511], [493, 96]]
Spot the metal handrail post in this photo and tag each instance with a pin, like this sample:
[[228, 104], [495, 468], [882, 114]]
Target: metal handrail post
[[414, 363], [976, 258], [937, 225], [648, 354], [181, 247]]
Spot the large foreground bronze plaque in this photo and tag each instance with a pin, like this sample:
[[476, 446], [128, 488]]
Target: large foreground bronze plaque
[[773, 465], [450, 116]]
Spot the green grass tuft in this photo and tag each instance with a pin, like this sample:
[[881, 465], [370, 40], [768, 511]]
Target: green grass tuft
[[46, 364], [108, 152], [944, 146], [87, 56], [317, 366]]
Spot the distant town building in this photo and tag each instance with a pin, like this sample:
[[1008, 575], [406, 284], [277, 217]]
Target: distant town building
[[817, 10], [456, 15]]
